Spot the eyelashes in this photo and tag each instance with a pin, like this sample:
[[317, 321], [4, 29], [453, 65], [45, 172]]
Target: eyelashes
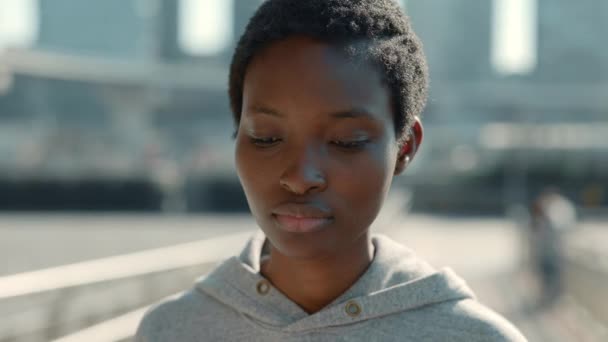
[[264, 142], [353, 144], [268, 142]]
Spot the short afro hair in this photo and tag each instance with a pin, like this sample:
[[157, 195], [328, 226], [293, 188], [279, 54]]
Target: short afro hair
[[376, 30]]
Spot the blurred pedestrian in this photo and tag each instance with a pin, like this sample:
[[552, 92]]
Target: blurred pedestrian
[[551, 214]]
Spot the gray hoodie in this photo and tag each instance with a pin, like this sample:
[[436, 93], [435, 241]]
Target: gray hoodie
[[398, 298]]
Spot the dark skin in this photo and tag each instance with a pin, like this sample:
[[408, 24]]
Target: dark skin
[[317, 130]]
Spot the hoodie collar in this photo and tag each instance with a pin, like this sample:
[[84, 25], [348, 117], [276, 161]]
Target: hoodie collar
[[396, 280]]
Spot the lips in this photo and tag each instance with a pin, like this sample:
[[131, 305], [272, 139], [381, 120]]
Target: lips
[[302, 218]]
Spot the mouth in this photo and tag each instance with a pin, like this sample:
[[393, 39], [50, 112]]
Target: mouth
[[294, 224], [302, 218]]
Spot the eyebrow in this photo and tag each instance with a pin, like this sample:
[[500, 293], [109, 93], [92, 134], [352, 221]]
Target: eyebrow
[[264, 110], [355, 113]]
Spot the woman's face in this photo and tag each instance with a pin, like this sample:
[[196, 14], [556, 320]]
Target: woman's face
[[315, 149]]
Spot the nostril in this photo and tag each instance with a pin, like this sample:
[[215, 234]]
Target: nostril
[[302, 185], [303, 175]]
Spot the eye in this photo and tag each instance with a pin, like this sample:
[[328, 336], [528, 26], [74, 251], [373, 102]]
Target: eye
[[265, 142], [351, 145]]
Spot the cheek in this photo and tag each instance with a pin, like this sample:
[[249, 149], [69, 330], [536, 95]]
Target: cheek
[[357, 185], [364, 186], [240, 161], [249, 173], [258, 176]]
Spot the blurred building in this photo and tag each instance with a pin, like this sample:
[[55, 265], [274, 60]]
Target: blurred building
[[108, 94], [456, 37], [112, 28], [106, 101], [500, 138], [571, 44]]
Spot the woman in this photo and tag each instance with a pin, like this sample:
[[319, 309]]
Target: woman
[[326, 97]]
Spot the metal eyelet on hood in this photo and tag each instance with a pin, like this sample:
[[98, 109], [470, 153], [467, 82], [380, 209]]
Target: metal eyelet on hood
[[263, 287], [352, 308]]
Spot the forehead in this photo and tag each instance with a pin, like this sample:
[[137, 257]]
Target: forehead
[[301, 73]]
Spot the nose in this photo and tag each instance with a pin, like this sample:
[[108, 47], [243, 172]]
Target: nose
[[303, 173]]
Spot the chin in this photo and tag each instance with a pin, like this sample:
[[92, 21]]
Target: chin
[[301, 246]]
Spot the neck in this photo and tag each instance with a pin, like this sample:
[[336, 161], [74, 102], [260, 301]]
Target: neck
[[314, 283]]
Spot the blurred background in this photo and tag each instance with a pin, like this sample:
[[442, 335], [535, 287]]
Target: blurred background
[[117, 181]]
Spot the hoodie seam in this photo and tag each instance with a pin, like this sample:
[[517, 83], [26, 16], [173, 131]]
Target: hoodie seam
[[285, 330], [259, 325], [244, 294]]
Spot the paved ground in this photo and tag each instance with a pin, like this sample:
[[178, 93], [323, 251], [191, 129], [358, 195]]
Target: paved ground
[[486, 252], [31, 242]]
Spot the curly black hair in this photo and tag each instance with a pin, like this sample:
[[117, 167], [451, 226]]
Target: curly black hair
[[376, 30]]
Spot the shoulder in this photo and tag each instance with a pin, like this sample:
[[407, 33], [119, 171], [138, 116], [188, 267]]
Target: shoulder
[[473, 321], [162, 318], [177, 318]]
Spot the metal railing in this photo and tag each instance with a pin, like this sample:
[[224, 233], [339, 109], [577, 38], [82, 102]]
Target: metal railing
[[47, 304]]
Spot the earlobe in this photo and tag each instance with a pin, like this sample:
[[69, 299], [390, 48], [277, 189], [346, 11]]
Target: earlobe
[[402, 163], [409, 148]]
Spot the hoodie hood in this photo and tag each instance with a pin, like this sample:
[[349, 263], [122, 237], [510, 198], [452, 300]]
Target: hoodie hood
[[396, 281]]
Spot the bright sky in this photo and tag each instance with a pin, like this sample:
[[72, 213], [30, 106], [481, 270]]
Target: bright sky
[[18, 26], [514, 38], [205, 27]]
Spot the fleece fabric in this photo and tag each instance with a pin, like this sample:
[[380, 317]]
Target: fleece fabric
[[399, 298]]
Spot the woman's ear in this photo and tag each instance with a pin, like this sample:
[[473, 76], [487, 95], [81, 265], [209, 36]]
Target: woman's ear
[[410, 147]]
